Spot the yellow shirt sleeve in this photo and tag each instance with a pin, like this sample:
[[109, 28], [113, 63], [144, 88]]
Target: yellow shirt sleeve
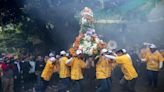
[[71, 63], [160, 57], [83, 64], [119, 59]]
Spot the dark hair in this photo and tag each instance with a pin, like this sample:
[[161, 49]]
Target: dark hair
[[119, 51]]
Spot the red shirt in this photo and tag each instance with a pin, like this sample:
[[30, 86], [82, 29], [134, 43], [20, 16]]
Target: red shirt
[[4, 66]]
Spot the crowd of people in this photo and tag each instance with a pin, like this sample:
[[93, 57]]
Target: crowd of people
[[18, 72]]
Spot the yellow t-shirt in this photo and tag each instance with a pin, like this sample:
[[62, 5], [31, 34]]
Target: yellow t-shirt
[[103, 68], [76, 68], [127, 67], [48, 71], [64, 70], [153, 60]]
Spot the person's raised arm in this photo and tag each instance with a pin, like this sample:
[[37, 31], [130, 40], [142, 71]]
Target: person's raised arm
[[69, 61], [110, 57]]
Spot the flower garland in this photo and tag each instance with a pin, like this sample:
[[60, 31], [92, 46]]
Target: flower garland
[[87, 40]]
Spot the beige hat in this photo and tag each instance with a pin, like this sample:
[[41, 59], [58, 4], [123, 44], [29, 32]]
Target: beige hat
[[63, 53], [52, 59], [104, 51], [51, 54], [152, 46]]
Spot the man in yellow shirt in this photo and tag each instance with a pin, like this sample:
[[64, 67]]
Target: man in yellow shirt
[[128, 81], [47, 73], [154, 61], [144, 50], [64, 72], [77, 64], [103, 72]]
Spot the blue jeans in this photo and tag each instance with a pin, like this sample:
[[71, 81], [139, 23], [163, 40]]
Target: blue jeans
[[77, 86], [152, 78], [128, 85], [104, 85], [44, 85], [38, 83], [65, 84]]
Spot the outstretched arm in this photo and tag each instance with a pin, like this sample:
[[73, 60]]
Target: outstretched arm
[[69, 61], [110, 57]]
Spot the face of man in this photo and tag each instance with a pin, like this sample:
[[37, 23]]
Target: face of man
[[120, 53], [153, 50], [79, 56], [63, 55]]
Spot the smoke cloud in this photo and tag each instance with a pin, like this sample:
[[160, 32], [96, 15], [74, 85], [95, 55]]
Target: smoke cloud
[[61, 19]]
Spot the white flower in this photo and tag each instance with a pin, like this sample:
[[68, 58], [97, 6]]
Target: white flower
[[89, 44], [87, 37], [97, 40], [83, 20], [94, 46], [81, 47]]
